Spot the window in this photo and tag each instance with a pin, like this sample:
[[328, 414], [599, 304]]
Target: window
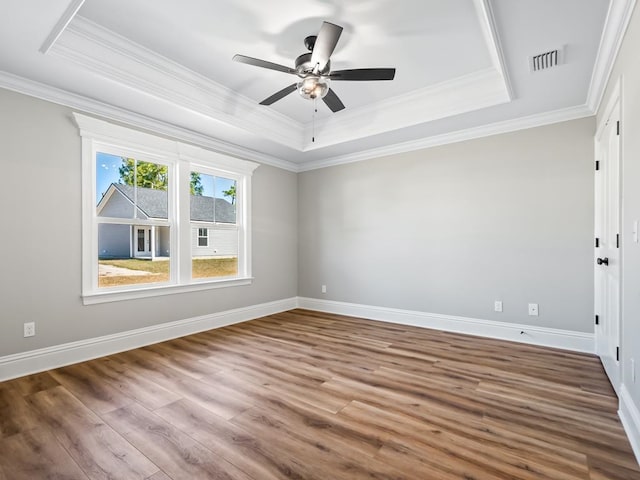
[[215, 221], [160, 216], [203, 237]]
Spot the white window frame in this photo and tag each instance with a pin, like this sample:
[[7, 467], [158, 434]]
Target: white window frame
[[100, 136]]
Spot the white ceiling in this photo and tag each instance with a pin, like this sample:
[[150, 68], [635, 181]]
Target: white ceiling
[[462, 68]]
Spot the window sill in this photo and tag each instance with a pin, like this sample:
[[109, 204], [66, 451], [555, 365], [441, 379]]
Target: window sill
[[157, 291]]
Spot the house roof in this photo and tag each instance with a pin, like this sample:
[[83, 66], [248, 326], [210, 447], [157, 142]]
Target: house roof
[[153, 203]]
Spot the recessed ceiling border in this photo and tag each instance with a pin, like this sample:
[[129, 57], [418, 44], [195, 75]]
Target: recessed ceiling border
[[490, 31], [137, 67], [481, 89], [59, 27]]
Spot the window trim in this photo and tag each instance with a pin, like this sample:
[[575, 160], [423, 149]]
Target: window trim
[[101, 136]]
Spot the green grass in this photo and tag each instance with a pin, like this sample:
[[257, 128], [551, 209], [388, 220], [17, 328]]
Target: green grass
[[159, 270]]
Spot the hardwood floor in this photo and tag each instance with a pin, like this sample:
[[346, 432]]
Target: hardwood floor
[[305, 395]]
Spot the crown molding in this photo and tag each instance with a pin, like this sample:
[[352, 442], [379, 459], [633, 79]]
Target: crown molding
[[531, 121], [615, 27], [60, 26], [490, 32], [94, 107], [112, 56]]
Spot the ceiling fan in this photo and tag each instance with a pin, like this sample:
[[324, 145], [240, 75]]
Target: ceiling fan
[[314, 70]]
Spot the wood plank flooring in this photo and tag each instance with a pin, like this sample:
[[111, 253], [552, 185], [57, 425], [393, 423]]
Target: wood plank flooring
[[312, 396]]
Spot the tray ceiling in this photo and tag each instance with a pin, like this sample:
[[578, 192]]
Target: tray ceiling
[[462, 66]]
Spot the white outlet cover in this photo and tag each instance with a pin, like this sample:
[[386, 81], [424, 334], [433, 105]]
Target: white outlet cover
[[497, 306], [533, 309], [29, 329]]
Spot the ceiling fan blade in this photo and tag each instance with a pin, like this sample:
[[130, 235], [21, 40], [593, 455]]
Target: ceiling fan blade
[[325, 44], [364, 74], [262, 63], [333, 102], [278, 95]]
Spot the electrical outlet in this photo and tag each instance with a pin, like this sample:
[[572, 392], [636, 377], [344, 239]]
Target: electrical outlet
[[324, 289], [497, 306], [29, 329], [533, 309], [633, 371]]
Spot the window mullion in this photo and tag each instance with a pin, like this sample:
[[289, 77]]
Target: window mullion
[[183, 223]]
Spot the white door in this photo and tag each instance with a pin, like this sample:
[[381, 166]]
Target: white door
[[607, 251], [142, 242]]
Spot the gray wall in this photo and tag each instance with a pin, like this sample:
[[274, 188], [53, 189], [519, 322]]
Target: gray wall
[[445, 230], [449, 230], [628, 66], [40, 264]]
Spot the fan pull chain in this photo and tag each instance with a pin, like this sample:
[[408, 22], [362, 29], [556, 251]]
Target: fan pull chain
[[313, 121]]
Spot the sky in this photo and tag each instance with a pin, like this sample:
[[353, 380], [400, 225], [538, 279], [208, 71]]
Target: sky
[[107, 173]]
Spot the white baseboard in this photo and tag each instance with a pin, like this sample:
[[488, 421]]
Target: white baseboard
[[630, 416], [25, 363], [20, 364], [548, 337]]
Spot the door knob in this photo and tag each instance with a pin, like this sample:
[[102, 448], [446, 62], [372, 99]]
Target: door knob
[[602, 261]]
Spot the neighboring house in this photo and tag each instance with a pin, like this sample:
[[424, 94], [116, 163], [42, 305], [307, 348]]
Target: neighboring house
[[213, 232]]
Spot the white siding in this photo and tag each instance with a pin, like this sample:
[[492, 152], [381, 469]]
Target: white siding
[[119, 207], [162, 242], [113, 241], [222, 242]]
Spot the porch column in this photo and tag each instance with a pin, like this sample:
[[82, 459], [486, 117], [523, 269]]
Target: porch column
[[153, 242]]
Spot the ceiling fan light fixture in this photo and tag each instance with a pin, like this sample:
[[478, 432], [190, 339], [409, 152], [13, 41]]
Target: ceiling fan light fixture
[[312, 87], [314, 70]]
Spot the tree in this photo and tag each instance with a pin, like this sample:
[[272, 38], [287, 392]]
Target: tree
[[231, 193], [196, 184], [152, 175], [143, 174]]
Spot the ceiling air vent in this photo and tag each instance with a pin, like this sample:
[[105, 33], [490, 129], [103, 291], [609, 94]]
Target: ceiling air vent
[[546, 60]]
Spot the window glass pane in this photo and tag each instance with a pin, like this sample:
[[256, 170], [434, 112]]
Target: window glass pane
[[141, 240], [128, 188], [132, 254], [220, 257], [214, 248], [225, 206]]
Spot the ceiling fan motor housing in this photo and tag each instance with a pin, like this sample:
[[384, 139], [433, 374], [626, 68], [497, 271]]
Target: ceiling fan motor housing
[[304, 66], [310, 42]]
